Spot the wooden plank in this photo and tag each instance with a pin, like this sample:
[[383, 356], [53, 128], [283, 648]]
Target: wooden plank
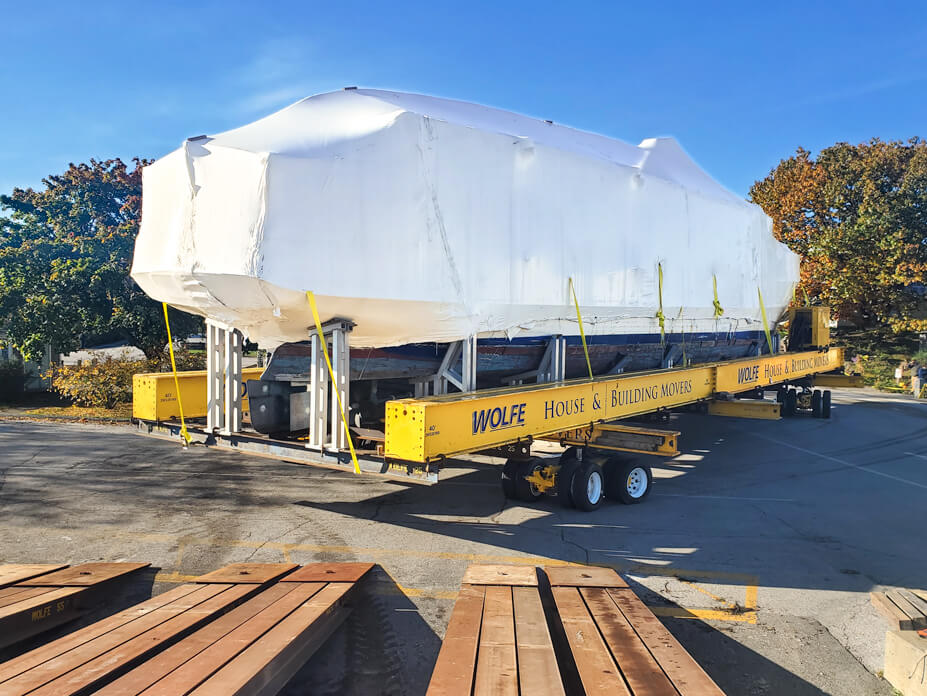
[[686, 674], [20, 593], [917, 602], [537, 663], [165, 663], [266, 665], [639, 668], [257, 573], [12, 573], [197, 670], [597, 670], [918, 620], [501, 575], [208, 598], [35, 657], [919, 593], [456, 665], [583, 576], [84, 575], [329, 572], [897, 618], [497, 660], [24, 619], [47, 594], [94, 671]]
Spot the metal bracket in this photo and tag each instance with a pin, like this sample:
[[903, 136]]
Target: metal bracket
[[552, 367], [458, 352]]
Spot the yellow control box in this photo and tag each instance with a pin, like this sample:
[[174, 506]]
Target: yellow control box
[[154, 396]]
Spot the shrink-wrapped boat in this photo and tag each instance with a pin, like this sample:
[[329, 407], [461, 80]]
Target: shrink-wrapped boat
[[425, 221]]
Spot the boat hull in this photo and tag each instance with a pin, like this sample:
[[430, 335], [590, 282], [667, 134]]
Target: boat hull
[[498, 359]]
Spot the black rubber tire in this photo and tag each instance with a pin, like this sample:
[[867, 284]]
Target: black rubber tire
[[523, 490], [779, 394], [618, 486], [509, 472], [579, 487], [568, 466], [816, 400], [825, 404], [789, 403]]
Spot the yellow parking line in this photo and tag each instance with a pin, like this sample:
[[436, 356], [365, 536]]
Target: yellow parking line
[[704, 614]]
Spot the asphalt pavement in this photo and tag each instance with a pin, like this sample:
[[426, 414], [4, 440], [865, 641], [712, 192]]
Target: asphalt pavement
[[757, 548]]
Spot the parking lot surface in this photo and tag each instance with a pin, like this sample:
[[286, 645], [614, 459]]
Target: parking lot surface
[[757, 548]]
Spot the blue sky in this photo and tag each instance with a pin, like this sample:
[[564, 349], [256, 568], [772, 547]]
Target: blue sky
[[740, 85]]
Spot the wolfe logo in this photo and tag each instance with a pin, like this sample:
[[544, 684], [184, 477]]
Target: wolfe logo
[[498, 418]]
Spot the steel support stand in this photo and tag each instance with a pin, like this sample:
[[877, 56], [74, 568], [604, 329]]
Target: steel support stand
[[223, 378], [552, 367], [326, 428], [458, 352]]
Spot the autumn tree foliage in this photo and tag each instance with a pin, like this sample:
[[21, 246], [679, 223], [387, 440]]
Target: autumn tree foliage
[[65, 255], [857, 217]]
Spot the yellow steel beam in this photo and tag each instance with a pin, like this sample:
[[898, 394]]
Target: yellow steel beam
[[838, 380], [154, 396], [621, 438], [742, 375], [422, 430], [745, 408]]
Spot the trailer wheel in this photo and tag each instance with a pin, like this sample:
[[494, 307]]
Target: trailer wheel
[[789, 403], [630, 482], [569, 463], [524, 490], [816, 404], [825, 404], [588, 488], [509, 474]]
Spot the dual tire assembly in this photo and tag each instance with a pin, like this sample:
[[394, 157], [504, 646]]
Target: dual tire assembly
[[793, 400], [585, 479]]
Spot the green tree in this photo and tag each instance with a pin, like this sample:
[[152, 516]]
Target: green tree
[[65, 255], [857, 216]]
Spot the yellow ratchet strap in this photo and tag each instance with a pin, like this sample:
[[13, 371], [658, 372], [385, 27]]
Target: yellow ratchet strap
[[660, 316], [331, 374], [582, 333], [765, 323], [718, 309], [170, 347]]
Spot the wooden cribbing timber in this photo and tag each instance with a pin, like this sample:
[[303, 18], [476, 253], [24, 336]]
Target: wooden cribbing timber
[[36, 598], [243, 629], [497, 640], [595, 637], [906, 610]]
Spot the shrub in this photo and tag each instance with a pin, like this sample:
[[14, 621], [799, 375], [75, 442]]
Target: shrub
[[106, 381], [183, 356], [99, 383]]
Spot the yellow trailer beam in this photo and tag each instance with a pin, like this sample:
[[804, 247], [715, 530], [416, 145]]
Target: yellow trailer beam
[[745, 408], [838, 380], [423, 430], [154, 397]]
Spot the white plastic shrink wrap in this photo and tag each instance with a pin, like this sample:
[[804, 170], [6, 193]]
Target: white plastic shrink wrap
[[424, 219]]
